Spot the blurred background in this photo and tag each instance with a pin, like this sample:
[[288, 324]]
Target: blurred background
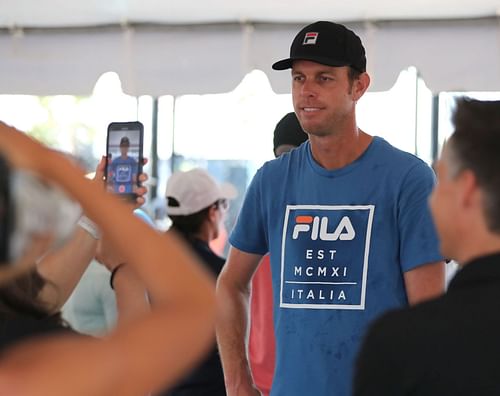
[[198, 75]]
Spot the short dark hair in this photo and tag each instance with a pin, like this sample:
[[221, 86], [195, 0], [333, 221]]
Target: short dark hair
[[21, 298], [475, 145], [190, 224], [353, 74]]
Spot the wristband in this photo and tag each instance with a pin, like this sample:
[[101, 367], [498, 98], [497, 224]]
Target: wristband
[[113, 274], [89, 226]]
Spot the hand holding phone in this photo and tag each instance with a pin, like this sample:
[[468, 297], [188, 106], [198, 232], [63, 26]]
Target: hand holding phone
[[124, 158]]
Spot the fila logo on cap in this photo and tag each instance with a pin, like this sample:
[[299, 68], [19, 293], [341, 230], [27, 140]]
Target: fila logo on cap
[[310, 38]]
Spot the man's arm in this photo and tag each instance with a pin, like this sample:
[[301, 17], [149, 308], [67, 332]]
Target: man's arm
[[232, 294], [425, 282]]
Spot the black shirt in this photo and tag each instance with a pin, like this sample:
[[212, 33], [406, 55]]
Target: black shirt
[[15, 329], [447, 346], [208, 378]]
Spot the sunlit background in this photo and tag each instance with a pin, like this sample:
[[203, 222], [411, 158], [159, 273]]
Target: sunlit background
[[229, 134]]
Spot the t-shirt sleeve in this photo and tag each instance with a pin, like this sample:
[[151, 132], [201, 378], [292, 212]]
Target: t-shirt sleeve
[[419, 243], [249, 233]]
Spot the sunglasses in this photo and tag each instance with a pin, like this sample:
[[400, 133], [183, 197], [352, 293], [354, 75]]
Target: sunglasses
[[222, 204]]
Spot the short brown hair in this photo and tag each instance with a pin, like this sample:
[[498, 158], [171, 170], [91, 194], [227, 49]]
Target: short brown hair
[[353, 74], [475, 145]]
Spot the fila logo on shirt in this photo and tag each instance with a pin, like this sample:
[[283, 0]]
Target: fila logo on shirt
[[318, 227], [310, 38]]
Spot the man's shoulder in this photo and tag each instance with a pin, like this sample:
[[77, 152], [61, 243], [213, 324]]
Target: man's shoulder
[[411, 323], [400, 163], [395, 154]]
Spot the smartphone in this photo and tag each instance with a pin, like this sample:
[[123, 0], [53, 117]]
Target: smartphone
[[124, 158]]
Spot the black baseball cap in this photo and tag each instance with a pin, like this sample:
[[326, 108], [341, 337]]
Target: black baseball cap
[[327, 43], [288, 131]]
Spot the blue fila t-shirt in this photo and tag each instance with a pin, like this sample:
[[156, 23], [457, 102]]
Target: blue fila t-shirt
[[123, 172], [339, 242]]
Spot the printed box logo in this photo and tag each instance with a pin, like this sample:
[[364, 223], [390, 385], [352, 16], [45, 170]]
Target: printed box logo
[[324, 257], [310, 38]]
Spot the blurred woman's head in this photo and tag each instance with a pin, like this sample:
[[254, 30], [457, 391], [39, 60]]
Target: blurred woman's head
[[34, 216], [196, 203]]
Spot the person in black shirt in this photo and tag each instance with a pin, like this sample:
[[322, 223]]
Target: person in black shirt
[[196, 204], [450, 346]]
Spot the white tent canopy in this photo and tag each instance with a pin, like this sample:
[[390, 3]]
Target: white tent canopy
[[169, 47]]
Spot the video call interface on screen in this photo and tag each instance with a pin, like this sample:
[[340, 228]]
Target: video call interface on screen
[[123, 160]]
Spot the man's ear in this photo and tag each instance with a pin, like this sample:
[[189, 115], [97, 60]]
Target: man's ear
[[360, 85], [470, 193]]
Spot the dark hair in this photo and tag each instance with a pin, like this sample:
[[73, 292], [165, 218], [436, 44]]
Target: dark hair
[[5, 211], [353, 74], [20, 298], [475, 145], [191, 224]]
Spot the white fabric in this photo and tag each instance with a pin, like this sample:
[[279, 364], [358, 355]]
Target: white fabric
[[57, 13], [197, 59], [195, 190]]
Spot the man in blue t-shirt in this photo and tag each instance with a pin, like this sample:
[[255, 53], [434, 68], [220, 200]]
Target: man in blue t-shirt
[[122, 172], [346, 222]]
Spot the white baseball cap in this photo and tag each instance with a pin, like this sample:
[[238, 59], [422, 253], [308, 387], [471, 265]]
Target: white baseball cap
[[195, 190]]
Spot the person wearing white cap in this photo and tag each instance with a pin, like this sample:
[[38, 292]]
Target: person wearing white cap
[[196, 204]]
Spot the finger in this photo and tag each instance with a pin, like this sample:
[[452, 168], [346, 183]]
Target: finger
[[144, 161], [99, 171], [139, 202], [142, 190], [143, 177]]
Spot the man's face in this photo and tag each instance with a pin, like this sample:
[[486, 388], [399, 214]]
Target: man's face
[[124, 150], [444, 207], [322, 97]]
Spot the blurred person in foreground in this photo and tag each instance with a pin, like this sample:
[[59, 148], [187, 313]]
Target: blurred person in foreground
[[450, 345], [288, 134], [138, 357], [197, 205]]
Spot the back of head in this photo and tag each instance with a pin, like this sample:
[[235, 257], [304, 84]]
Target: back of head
[[5, 212], [31, 210], [475, 145], [288, 132], [20, 298], [28, 207], [189, 196]]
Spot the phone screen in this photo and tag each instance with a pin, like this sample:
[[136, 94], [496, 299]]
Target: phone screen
[[124, 158]]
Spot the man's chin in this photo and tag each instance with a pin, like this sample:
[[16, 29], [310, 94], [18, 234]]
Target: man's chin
[[317, 132]]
